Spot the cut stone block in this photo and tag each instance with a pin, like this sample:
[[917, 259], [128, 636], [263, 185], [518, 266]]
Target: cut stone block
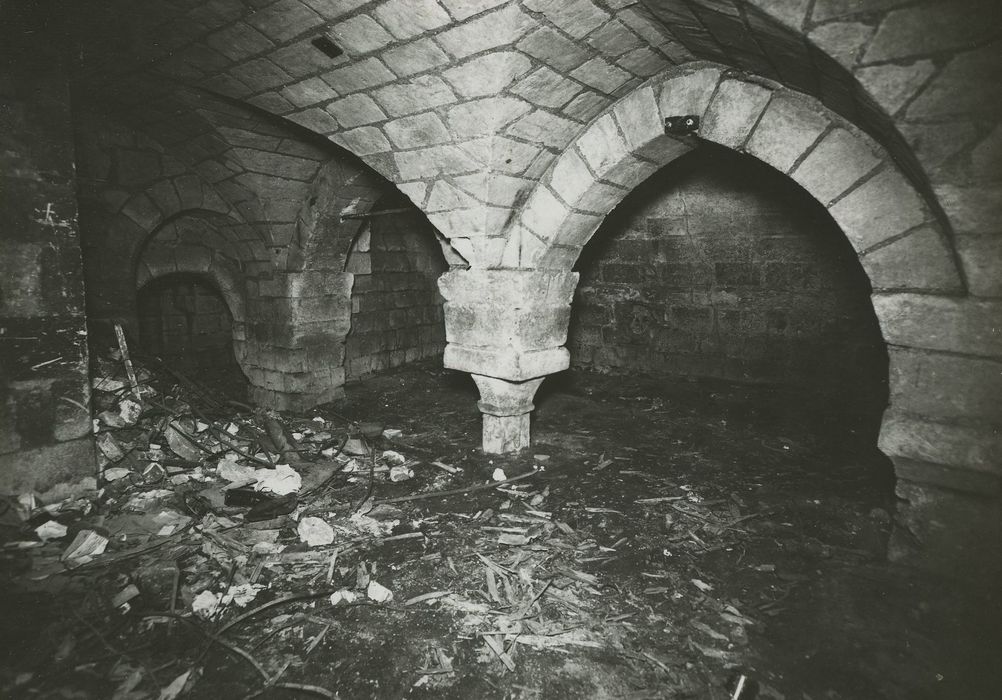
[[601, 75], [943, 386], [515, 287], [544, 214], [971, 453], [360, 34], [488, 74], [417, 131], [503, 26], [356, 110], [688, 93], [789, 126], [981, 257], [42, 467], [506, 363], [521, 329], [882, 207], [415, 57], [639, 118], [919, 261], [962, 325], [576, 17], [602, 145], [547, 88], [408, 18], [733, 112], [974, 208], [839, 160], [893, 85]]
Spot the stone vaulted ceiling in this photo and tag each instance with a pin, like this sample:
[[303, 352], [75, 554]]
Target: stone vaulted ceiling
[[463, 104]]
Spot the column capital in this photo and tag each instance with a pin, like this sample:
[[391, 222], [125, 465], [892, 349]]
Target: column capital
[[514, 288], [508, 324]]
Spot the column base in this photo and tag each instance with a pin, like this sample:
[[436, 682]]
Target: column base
[[506, 407], [505, 434]]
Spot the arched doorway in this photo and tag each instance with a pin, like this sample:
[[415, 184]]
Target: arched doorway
[[719, 267], [396, 309], [185, 321]]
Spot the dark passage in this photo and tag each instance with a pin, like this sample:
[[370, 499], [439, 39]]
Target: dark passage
[[396, 309], [184, 321], [720, 267]]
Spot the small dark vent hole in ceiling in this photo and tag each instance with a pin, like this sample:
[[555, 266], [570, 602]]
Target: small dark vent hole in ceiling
[[327, 46]]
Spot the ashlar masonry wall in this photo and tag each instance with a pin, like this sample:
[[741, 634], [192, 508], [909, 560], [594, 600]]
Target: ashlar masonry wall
[[184, 320], [396, 306], [718, 266]]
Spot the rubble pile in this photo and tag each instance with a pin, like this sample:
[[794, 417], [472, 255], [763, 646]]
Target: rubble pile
[[217, 536], [199, 507]]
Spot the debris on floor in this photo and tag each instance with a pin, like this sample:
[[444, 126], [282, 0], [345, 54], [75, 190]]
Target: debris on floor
[[226, 551], [199, 509]]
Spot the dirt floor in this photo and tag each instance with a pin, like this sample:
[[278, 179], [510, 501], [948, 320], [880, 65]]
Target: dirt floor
[[662, 539]]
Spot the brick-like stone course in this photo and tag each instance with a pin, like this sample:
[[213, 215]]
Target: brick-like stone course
[[396, 308], [716, 276], [187, 323]]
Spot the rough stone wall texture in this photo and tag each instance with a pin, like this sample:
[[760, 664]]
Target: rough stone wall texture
[[185, 320], [254, 211], [134, 198], [45, 433], [396, 308], [718, 266]]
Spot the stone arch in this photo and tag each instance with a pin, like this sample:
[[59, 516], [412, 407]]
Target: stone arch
[[194, 230], [118, 238], [197, 241], [207, 244], [940, 426], [782, 42], [223, 276], [299, 362], [902, 244], [159, 260]]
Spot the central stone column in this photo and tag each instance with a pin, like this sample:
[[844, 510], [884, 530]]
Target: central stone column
[[507, 328]]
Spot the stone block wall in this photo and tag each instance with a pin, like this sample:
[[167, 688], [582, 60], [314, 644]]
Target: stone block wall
[[135, 197], [718, 266], [185, 321], [396, 307], [45, 429], [942, 427], [292, 349]]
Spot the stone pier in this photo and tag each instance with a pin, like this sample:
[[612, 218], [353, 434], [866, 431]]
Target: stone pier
[[507, 328]]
